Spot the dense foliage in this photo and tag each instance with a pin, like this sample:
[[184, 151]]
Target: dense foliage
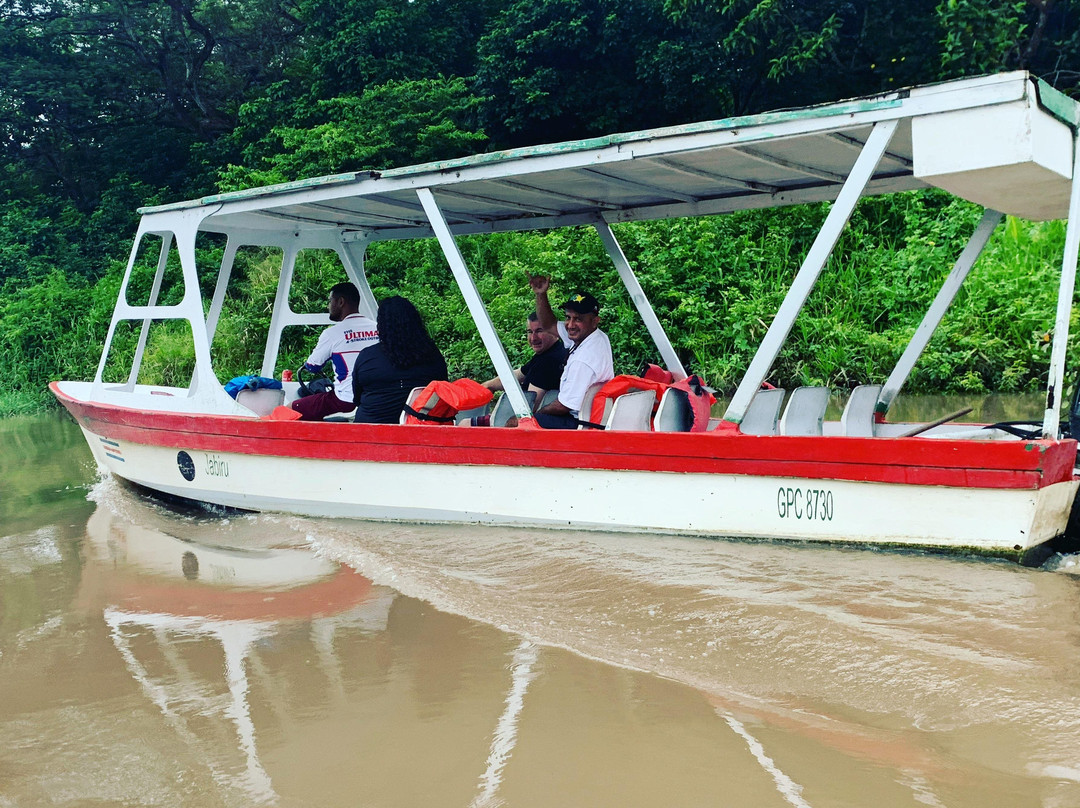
[[110, 105]]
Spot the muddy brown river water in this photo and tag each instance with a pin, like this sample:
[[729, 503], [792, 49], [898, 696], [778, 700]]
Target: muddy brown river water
[[157, 656]]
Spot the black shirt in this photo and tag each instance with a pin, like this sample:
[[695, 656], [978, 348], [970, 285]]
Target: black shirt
[[380, 389], [545, 369]]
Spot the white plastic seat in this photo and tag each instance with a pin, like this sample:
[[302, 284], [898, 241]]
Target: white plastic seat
[[673, 414], [586, 405], [858, 418], [475, 412], [409, 399], [805, 411], [504, 411], [763, 413], [261, 401], [548, 397], [632, 412]]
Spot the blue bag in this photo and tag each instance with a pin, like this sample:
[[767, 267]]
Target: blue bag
[[234, 386]]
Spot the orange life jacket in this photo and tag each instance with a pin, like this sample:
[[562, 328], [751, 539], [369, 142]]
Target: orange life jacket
[[453, 397], [616, 387], [691, 389], [699, 399]]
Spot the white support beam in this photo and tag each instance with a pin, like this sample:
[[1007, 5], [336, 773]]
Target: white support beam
[[552, 194], [417, 208], [205, 393], [693, 171], [228, 259], [932, 319], [121, 298], [476, 306], [205, 386], [283, 314], [638, 185], [352, 254], [641, 301], [1055, 387], [155, 292], [802, 168], [527, 207], [811, 268]]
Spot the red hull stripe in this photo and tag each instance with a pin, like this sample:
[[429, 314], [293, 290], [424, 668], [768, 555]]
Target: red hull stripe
[[918, 461]]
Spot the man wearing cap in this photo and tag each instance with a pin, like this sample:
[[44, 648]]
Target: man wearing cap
[[588, 362]]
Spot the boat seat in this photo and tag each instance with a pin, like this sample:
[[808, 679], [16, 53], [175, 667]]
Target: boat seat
[[586, 404], [409, 399], [673, 414], [858, 418], [805, 411], [261, 401], [762, 416], [503, 411], [475, 412], [632, 412], [548, 397]]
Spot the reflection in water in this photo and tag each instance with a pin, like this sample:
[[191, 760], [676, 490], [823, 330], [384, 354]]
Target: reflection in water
[[784, 784], [154, 619], [523, 670], [236, 639]]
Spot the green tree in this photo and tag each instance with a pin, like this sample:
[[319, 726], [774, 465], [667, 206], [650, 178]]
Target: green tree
[[389, 125], [986, 36], [95, 89], [564, 69]]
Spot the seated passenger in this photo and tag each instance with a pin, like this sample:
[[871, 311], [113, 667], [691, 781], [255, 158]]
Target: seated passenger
[[339, 345], [588, 362], [405, 357], [542, 372]]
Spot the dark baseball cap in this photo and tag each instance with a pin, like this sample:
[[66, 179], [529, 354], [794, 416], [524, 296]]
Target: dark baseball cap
[[582, 303]]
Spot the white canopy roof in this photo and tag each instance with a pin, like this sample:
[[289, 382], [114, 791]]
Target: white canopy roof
[[1003, 141]]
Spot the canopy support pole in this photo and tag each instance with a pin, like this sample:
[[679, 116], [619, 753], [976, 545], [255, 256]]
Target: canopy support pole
[[155, 292], [283, 314], [476, 305], [641, 301], [352, 258], [1055, 387], [934, 315], [224, 274], [811, 268]]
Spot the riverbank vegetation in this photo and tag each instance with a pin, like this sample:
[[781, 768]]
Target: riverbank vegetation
[[111, 105]]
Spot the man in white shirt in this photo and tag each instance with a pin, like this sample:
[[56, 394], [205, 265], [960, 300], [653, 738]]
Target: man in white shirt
[[588, 362], [339, 345]]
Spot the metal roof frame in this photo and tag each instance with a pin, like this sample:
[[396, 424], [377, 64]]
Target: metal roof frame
[[833, 152], [757, 161]]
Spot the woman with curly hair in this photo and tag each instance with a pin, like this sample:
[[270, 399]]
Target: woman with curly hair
[[405, 357]]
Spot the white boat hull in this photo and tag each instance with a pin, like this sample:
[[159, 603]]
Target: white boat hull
[[705, 504]]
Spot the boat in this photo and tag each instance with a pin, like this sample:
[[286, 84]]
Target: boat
[[1006, 142]]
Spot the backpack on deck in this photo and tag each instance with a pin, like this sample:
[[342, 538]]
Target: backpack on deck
[[235, 385]]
